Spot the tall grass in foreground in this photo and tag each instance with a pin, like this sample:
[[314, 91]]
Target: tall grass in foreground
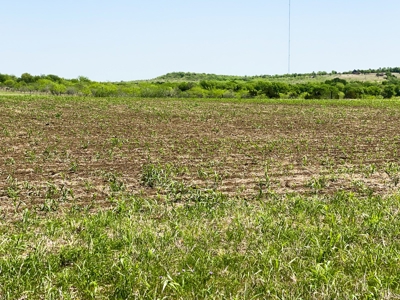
[[289, 247]]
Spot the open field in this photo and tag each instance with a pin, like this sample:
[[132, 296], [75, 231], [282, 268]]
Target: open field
[[371, 77], [136, 198]]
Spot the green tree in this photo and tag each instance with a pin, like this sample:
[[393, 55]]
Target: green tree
[[58, 89], [27, 78], [85, 91], [4, 77], [397, 89], [9, 83], [208, 84], [353, 91], [185, 86], [320, 91], [44, 85], [54, 78], [83, 79], [373, 90], [389, 91], [103, 90]]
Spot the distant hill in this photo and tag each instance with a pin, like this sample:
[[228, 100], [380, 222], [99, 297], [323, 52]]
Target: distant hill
[[188, 76], [195, 77]]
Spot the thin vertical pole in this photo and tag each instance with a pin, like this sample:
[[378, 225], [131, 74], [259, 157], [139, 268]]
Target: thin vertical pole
[[289, 39]]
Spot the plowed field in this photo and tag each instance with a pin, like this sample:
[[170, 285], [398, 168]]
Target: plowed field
[[70, 153]]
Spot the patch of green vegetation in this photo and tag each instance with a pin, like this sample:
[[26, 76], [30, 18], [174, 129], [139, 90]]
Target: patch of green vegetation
[[286, 247]]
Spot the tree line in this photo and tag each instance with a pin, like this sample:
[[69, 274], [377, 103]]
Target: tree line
[[216, 86], [189, 76]]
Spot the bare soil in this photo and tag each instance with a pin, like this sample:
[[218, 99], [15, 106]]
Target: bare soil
[[67, 153]]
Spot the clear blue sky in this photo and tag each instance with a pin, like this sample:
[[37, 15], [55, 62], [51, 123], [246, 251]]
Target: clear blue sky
[[127, 40]]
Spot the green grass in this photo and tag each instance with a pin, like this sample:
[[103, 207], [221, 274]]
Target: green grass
[[14, 98], [289, 247]]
